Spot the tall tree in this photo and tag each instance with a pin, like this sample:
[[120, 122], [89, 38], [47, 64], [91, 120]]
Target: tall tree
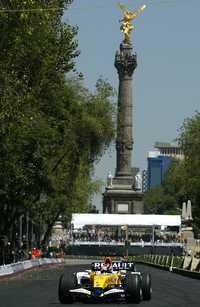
[[189, 140], [52, 130], [36, 49], [157, 201]]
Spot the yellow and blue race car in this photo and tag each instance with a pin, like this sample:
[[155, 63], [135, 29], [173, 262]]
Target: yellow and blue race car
[[106, 282]]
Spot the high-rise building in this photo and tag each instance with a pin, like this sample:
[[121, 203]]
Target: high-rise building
[[159, 160], [157, 167], [168, 149]]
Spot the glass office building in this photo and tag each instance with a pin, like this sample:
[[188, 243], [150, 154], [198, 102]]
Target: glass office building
[[157, 167]]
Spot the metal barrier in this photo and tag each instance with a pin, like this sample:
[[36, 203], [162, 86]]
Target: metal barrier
[[184, 265], [13, 268], [113, 243], [113, 249]]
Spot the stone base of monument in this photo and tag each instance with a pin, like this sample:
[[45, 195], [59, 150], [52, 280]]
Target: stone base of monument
[[58, 234], [122, 197], [122, 181], [187, 235]]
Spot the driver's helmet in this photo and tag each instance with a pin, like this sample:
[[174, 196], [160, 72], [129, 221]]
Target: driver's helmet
[[107, 265]]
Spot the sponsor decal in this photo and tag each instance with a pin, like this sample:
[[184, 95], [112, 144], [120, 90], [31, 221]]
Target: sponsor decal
[[116, 265]]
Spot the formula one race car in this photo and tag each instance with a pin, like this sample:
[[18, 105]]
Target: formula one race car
[[106, 282]]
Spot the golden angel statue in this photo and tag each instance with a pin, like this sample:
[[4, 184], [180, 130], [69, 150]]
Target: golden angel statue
[[128, 16]]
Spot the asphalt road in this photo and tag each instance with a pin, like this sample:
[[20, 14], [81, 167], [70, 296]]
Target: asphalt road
[[39, 289]]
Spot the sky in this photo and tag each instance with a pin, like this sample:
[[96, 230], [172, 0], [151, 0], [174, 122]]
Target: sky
[[166, 85]]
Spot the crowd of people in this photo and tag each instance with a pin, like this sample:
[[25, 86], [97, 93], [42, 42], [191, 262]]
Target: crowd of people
[[119, 236]]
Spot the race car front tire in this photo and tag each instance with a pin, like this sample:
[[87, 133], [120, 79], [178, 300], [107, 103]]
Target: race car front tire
[[133, 288], [146, 286], [65, 284]]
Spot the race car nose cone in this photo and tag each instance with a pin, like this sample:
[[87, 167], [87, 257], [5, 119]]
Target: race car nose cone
[[97, 291]]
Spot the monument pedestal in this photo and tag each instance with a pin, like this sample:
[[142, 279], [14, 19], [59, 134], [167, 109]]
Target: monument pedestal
[[120, 197], [187, 235]]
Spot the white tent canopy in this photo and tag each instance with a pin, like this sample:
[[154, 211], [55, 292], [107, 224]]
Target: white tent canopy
[[79, 220]]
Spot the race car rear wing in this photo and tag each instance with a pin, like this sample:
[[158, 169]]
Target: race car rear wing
[[116, 265]]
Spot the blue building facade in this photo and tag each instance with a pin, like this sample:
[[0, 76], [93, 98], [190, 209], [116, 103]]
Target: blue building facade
[[157, 167]]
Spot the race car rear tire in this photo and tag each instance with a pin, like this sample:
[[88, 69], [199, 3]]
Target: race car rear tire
[[133, 288], [146, 286], [65, 284]]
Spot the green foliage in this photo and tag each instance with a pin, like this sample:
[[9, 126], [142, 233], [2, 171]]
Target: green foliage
[[157, 201], [174, 180], [189, 140]]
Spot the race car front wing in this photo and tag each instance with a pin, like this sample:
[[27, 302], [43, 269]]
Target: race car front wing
[[98, 293]]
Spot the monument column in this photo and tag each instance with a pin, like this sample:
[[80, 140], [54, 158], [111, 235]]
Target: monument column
[[125, 63], [122, 194]]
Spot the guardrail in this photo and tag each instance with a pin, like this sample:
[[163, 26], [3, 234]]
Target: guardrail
[[18, 267], [141, 244], [184, 265]]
